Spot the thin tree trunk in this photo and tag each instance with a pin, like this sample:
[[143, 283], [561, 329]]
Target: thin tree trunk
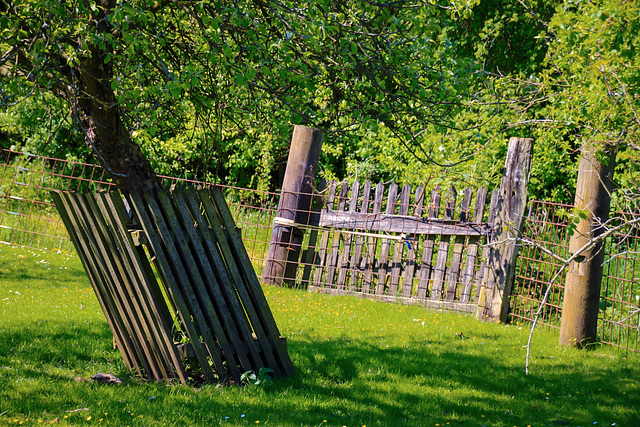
[[578, 325]]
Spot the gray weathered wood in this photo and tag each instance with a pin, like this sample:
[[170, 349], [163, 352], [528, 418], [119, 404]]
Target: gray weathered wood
[[383, 267], [358, 258], [295, 204], [336, 240], [443, 249], [426, 267], [412, 246], [458, 247], [398, 247], [322, 252], [208, 283], [345, 256], [472, 247], [370, 263], [496, 287], [275, 342], [388, 223]]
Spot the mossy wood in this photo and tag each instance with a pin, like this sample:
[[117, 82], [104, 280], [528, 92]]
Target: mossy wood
[[175, 282]]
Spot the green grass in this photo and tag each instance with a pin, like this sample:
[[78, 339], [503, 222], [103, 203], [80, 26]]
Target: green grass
[[358, 363]]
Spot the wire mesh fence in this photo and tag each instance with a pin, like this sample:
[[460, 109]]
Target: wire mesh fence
[[619, 316], [28, 218]]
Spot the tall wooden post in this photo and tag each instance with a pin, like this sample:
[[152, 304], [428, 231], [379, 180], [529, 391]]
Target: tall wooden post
[[493, 302], [579, 322], [295, 207]]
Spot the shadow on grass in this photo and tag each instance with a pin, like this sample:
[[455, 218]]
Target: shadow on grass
[[343, 381], [383, 386]]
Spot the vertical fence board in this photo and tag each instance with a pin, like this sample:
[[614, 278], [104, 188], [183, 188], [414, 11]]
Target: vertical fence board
[[383, 260], [357, 259], [426, 267], [458, 247], [345, 256], [334, 252], [324, 240], [372, 243], [412, 246], [398, 247], [443, 249], [472, 247], [310, 254]]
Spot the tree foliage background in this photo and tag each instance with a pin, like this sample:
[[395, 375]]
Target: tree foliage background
[[411, 91]]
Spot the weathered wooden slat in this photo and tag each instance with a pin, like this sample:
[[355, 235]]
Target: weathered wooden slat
[[310, 254], [443, 249], [223, 322], [202, 307], [386, 223], [398, 249], [412, 246], [119, 282], [177, 288], [229, 279], [472, 247], [497, 283], [345, 256], [142, 285], [251, 280], [370, 256], [324, 240], [458, 247], [105, 299], [383, 267], [357, 258], [485, 251], [223, 299], [426, 266], [334, 250]]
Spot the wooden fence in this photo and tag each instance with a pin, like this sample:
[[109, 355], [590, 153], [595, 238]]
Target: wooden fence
[[407, 244], [391, 245], [206, 303]]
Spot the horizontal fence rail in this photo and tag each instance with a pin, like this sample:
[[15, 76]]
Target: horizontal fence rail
[[28, 218]]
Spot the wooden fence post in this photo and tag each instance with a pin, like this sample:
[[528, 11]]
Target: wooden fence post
[[295, 206], [493, 302], [579, 322]]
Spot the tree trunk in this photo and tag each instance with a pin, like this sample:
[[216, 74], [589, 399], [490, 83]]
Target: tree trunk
[[579, 322], [96, 109]]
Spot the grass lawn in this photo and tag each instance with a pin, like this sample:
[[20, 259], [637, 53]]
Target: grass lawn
[[358, 363]]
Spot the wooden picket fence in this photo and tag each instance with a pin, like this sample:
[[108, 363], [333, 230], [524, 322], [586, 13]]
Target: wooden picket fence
[[405, 245], [205, 305]]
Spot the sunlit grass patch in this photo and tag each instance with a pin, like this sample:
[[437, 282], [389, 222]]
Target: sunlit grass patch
[[358, 362]]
